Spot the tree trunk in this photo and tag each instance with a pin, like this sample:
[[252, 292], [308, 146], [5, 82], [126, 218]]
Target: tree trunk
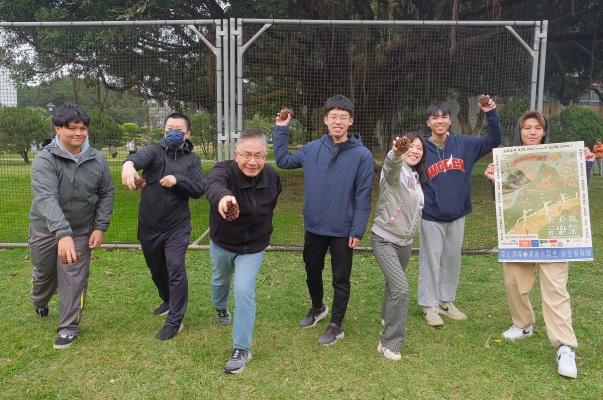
[[25, 156]]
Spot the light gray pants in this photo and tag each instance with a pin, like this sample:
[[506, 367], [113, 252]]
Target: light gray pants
[[598, 166], [71, 279], [440, 261], [393, 260]]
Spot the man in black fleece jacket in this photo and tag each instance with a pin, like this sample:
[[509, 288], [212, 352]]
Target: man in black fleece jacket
[[173, 174], [237, 246]]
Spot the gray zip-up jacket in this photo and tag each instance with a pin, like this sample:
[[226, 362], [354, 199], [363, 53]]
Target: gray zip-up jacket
[[397, 216], [70, 195]]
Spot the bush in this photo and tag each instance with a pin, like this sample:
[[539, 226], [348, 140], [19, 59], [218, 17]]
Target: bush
[[575, 124]]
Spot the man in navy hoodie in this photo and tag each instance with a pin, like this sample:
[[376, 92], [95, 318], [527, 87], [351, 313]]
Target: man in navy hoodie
[[450, 161], [338, 177]]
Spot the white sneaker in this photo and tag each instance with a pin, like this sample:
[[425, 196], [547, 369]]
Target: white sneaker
[[432, 317], [391, 354], [566, 358], [382, 322], [516, 333], [450, 310]]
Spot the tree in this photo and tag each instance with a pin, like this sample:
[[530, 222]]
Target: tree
[[203, 134], [20, 128], [577, 123], [103, 131]]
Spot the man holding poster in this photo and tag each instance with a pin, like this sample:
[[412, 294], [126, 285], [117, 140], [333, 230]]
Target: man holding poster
[[542, 215]]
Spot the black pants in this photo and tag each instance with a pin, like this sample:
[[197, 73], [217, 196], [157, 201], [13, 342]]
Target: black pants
[[130, 152], [164, 253], [315, 250]]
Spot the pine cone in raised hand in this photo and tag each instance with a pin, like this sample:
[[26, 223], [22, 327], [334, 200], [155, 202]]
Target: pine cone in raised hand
[[65, 261], [484, 100], [232, 211], [284, 114], [403, 144], [140, 183]]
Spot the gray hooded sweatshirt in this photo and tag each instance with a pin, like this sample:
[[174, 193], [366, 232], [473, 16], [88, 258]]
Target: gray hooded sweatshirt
[[70, 195]]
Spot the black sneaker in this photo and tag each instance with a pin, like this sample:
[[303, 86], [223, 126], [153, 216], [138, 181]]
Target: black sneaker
[[314, 315], [223, 316], [163, 309], [236, 362], [168, 332], [42, 312], [334, 333], [64, 341]]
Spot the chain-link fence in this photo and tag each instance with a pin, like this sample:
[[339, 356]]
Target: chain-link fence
[[129, 76]]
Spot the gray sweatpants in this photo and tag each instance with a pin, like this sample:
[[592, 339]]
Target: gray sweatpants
[[440, 261], [393, 260], [71, 279]]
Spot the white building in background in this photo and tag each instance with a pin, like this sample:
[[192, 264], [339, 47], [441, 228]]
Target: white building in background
[[8, 91]]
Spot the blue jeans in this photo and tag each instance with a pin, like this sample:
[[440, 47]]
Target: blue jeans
[[245, 267]]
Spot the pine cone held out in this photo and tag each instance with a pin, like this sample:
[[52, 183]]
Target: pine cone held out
[[65, 261], [484, 100], [140, 183], [403, 144], [232, 212]]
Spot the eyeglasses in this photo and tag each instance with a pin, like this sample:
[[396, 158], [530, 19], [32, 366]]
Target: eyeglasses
[[333, 118], [248, 157]]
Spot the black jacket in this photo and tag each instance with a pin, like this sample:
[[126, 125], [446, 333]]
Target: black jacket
[[161, 208], [257, 197]]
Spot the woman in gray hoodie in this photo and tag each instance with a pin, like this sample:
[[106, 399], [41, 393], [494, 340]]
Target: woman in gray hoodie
[[397, 220]]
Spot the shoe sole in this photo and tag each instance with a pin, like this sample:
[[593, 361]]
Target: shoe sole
[[62, 346], [568, 375], [163, 313], [436, 323], [337, 337], [320, 316]]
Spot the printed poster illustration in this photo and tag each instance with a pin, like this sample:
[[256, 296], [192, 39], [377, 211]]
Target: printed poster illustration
[[542, 209]]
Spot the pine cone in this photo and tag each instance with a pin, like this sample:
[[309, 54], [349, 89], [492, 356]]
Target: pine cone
[[140, 183], [284, 114], [403, 144], [65, 261], [232, 212], [484, 100]]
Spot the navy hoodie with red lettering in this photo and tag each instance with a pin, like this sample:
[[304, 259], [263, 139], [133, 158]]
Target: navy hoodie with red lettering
[[448, 186]]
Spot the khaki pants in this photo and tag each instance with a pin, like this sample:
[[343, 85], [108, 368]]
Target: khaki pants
[[556, 309]]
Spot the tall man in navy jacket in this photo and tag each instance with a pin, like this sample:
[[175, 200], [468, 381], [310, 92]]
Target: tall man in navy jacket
[[173, 174], [338, 177], [450, 161]]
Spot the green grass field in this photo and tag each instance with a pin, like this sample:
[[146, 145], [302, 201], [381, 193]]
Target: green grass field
[[116, 355]]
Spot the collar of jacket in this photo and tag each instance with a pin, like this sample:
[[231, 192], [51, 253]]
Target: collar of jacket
[[56, 151], [244, 181]]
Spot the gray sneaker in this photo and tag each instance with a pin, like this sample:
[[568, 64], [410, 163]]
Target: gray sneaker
[[236, 362], [334, 333], [42, 312], [223, 316], [314, 315]]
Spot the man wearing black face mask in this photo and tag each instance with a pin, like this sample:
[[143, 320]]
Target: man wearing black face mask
[[173, 173]]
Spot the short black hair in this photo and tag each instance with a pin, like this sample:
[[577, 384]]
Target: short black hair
[[434, 109], [339, 102], [70, 113], [179, 116]]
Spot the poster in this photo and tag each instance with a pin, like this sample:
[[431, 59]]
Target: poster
[[541, 200]]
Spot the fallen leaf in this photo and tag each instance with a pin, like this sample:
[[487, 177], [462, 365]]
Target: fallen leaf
[[498, 340], [14, 273], [356, 283], [132, 249], [94, 257], [112, 381], [27, 257], [355, 319], [286, 379], [2, 250], [269, 296], [461, 335], [108, 273], [363, 258]]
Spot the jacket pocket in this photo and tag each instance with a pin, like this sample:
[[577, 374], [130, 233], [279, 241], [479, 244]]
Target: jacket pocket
[[448, 203]]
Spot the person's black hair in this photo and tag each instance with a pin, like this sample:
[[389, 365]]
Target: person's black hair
[[339, 102], [421, 166], [179, 116], [70, 113], [434, 110]]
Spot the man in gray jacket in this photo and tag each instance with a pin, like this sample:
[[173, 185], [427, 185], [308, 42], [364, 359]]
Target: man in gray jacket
[[71, 209]]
